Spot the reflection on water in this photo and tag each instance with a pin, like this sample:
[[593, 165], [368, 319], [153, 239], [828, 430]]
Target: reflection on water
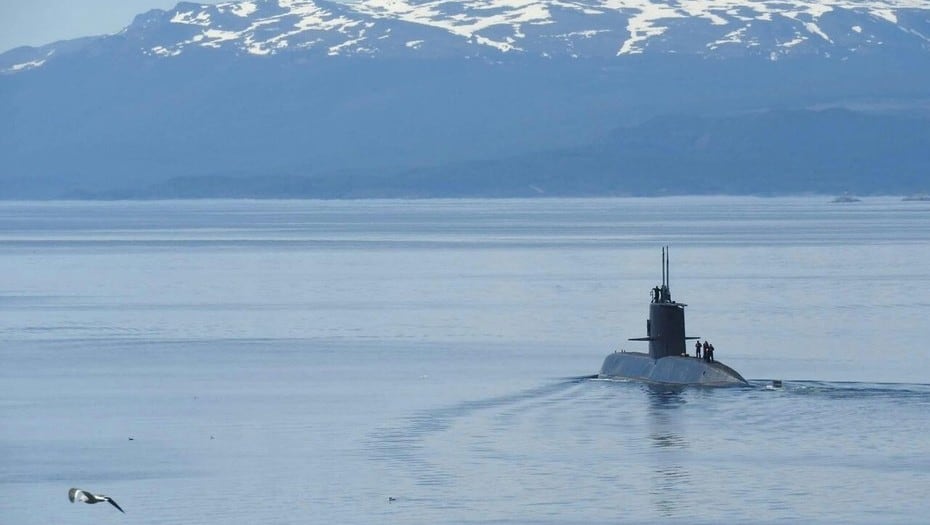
[[669, 477], [665, 396], [664, 425], [667, 486]]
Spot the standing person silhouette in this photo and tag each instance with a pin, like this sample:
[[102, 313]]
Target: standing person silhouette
[[697, 349]]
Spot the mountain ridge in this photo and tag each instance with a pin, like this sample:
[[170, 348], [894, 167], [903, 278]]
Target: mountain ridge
[[497, 28]]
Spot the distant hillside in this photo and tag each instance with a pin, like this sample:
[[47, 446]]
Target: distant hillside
[[776, 152], [782, 152], [440, 98]]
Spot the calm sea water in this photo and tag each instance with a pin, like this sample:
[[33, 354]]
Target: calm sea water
[[301, 362]]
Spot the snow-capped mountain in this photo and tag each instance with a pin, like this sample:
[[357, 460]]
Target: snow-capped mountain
[[476, 97], [498, 29]]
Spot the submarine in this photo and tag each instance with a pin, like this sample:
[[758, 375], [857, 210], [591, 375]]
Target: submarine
[[668, 361]]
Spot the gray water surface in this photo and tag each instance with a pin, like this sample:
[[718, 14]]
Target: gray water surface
[[303, 361]]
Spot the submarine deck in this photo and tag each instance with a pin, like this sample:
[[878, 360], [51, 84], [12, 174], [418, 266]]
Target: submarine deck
[[678, 370]]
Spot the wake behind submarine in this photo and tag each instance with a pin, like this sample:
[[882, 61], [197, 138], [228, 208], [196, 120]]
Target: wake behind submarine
[[667, 361]]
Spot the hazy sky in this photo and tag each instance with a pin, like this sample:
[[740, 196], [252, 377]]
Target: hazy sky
[[37, 22]]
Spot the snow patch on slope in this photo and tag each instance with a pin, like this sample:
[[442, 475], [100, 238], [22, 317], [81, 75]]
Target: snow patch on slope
[[189, 18], [500, 24], [30, 64], [479, 16], [648, 17], [244, 9], [25, 65]]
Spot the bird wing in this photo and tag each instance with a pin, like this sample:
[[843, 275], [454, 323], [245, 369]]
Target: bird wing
[[110, 500], [73, 494]]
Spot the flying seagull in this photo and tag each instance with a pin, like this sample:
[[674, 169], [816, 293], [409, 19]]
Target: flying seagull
[[87, 497]]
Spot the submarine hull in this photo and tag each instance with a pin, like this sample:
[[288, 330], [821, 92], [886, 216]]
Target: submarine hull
[[674, 370]]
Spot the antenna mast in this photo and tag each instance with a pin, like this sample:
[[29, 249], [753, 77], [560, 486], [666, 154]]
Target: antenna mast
[[663, 266], [668, 272]]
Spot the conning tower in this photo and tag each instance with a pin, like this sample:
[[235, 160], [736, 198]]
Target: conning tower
[[665, 328], [667, 361]]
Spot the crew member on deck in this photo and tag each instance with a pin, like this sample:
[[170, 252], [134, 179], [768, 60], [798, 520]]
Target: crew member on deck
[[706, 350], [711, 351], [697, 349]]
